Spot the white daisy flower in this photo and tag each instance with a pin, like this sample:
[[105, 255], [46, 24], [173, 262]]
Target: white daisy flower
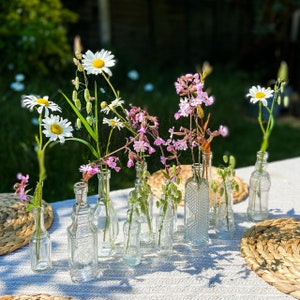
[[30, 101], [96, 63], [55, 127], [115, 122], [258, 93], [116, 103]]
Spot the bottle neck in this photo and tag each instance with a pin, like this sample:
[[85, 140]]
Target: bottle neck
[[140, 169], [206, 165], [39, 218], [196, 170], [81, 206], [103, 185], [261, 161], [80, 191]]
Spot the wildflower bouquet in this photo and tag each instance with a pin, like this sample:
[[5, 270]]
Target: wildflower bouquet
[[193, 99], [55, 129], [260, 181], [260, 95]]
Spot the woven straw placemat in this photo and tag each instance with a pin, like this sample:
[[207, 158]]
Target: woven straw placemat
[[272, 250], [34, 297], [156, 180], [17, 224]]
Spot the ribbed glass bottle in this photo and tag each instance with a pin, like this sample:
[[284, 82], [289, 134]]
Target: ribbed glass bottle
[[197, 202], [82, 239]]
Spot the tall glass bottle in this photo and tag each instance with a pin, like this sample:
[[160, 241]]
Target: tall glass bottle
[[225, 217], [132, 228], [196, 203], [82, 239], [105, 217], [143, 199], [259, 187], [40, 244], [165, 228]]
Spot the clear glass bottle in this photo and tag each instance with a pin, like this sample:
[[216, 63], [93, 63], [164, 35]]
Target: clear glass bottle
[[40, 244], [225, 217], [105, 217], [197, 203], [132, 228], [82, 239], [259, 187], [165, 229], [143, 197]]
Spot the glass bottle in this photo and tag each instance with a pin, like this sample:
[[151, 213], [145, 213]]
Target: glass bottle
[[259, 187], [82, 239], [132, 228], [165, 228], [225, 217], [197, 202], [143, 197], [105, 217], [40, 243]]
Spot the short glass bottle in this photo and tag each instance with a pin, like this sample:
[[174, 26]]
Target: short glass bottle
[[259, 187], [40, 243], [82, 239]]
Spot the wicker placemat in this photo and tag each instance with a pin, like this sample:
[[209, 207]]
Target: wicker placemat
[[272, 250], [35, 297], [156, 180], [16, 224]]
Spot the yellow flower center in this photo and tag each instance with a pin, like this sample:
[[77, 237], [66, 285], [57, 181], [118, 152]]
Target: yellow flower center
[[98, 63], [113, 123], [42, 101], [260, 95], [56, 129]]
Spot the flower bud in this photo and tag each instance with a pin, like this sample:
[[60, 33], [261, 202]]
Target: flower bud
[[89, 107], [78, 123], [76, 83], [78, 104], [87, 95], [74, 96], [283, 72], [286, 101], [103, 104], [80, 67], [279, 100], [90, 120]]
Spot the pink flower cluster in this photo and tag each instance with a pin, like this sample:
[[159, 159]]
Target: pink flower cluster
[[190, 88], [145, 126], [20, 187]]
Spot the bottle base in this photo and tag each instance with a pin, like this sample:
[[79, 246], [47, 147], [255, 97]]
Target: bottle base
[[257, 216]]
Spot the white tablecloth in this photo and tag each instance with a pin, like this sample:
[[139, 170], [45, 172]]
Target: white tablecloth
[[216, 271]]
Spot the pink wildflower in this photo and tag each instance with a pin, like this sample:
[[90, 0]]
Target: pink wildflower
[[112, 163], [88, 171], [21, 186]]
